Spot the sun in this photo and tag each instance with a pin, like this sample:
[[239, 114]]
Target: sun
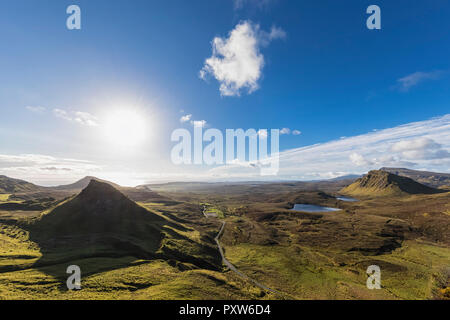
[[126, 128]]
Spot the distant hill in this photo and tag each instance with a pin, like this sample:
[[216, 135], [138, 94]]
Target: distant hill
[[382, 183], [83, 183], [431, 179], [347, 177], [10, 185], [100, 208], [140, 193], [102, 221]]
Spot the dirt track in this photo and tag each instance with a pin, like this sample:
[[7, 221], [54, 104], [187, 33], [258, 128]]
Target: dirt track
[[231, 266]]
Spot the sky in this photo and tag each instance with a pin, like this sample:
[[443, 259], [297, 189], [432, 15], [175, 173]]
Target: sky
[[105, 99]]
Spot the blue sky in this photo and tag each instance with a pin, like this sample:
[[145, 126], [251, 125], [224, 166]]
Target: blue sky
[[324, 74]]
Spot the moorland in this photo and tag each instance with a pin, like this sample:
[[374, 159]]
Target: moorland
[[164, 241]]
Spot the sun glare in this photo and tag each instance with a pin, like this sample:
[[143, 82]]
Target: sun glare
[[125, 128]]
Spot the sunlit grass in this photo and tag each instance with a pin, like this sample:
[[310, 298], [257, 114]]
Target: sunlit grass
[[4, 197], [407, 273]]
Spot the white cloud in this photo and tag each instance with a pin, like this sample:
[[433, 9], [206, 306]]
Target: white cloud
[[36, 109], [199, 123], [411, 80], [45, 169], [420, 148], [289, 131], [195, 123], [263, 133], [420, 145], [83, 118], [186, 118], [236, 61], [56, 169], [62, 114], [415, 144], [275, 33], [358, 159]]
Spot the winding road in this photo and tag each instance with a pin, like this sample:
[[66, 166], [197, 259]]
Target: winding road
[[230, 265]]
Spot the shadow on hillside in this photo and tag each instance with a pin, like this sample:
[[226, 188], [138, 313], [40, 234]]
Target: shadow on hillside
[[96, 253], [102, 229]]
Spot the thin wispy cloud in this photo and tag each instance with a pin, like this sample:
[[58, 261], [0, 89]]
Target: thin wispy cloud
[[237, 61], [36, 109], [62, 114], [287, 131], [196, 123], [199, 123], [186, 118], [56, 169], [420, 145], [262, 133], [420, 148], [83, 118], [45, 168], [414, 79], [358, 160], [239, 4]]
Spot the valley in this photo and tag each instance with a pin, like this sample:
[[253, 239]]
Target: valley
[[166, 241]]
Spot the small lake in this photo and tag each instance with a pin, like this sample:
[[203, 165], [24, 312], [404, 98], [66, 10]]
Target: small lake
[[347, 199], [313, 208]]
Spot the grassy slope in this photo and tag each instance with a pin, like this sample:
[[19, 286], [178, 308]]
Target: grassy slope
[[112, 278], [307, 265], [10, 185], [109, 278], [306, 273], [382, 183], [355, 190], [131, 279], [4, 197]]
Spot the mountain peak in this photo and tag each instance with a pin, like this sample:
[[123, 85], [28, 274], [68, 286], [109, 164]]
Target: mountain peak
[[83, 183], [11, 185], [380, 182], [96, 186], [98, 209], [98, 191], [430, 179], [102, 221]]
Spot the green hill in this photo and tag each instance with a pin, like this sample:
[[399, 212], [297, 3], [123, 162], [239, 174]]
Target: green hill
[[383, 183], [83, 183], [431, 179], [10, 185], [136, 194], [101, 221]]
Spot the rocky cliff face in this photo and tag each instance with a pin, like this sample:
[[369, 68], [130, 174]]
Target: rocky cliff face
[[379, 182]]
